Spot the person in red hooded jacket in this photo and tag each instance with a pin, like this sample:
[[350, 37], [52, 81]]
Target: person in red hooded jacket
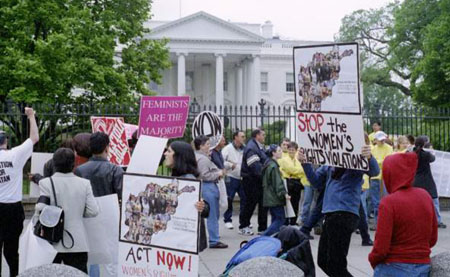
[[407, 223]]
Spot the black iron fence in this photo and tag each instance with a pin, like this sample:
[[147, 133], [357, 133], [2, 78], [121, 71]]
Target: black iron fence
[[58, 122]]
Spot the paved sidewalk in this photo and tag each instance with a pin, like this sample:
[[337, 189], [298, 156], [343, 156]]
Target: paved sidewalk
[[213, 261]]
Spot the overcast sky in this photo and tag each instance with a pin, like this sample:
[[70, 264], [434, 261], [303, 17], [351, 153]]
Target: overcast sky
[[298, 19]]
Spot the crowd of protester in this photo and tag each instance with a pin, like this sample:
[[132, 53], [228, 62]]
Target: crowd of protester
[[397, 195]]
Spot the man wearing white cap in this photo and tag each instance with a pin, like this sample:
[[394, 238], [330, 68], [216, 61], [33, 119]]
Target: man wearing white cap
[[380, 151]]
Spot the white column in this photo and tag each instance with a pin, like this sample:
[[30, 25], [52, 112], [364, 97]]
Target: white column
[[256, 78], [181, 73], [239, 94], [251, 97], [219, 79]]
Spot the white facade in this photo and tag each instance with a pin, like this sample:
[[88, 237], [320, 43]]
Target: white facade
[[223, 63]]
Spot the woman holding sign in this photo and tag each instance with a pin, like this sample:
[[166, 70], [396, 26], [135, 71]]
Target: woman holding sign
[[210, 175], [180, 158]]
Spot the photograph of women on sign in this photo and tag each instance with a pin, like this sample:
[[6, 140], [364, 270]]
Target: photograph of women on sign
[[327, 78]]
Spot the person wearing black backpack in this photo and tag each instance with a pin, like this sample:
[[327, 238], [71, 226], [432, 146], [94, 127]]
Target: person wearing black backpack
[[74, 195]]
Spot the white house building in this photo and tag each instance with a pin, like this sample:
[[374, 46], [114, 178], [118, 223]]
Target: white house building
[[218, 62]]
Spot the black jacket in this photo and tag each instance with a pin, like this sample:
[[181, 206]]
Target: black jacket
[[424, 178], [253, 161], [297, 248], [105, 177]]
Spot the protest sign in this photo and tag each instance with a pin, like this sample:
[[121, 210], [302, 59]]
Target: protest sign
[[159, 225], [332, 139], [441, 174], [137, 260], [38, 161], [140, 161], [130, 129], [102, 231], [209, 124], [119, 153], [327, 78], [163, 116], [328, 100]]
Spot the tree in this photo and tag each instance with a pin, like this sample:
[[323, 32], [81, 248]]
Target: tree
[[48, 48], [433, 68]]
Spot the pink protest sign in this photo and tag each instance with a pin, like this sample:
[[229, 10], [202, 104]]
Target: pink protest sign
[[130, 129], [163, 116]]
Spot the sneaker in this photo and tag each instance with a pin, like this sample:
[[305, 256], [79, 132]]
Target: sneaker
[[250, 226], [442, 225], [229, 225], [367, 243], [261, 232], [246, 231], [219, 245], [373, 228]]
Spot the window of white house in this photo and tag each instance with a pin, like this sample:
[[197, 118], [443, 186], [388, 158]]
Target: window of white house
[[289, 81], [190, 81], [225, 81], [264, 81]]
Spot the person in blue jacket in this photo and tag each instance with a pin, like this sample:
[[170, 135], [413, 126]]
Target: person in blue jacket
[[341, 209]]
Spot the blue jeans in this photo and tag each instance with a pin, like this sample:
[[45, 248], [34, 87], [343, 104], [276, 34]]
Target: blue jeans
[[278, 218], [315, 216], [364, 195], [375, 197], [210, 193], [402, 270], [308, 197], [234, 186], [436, 208]]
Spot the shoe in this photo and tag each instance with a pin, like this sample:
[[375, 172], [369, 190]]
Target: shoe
[[219, 245], [250, 226], [357, 232], [367, 243], [246, 231], [442, 225], [261, 232], [373, 228], [229, 225]]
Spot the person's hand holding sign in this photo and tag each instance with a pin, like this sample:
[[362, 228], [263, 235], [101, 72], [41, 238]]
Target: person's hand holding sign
[[366, 151]]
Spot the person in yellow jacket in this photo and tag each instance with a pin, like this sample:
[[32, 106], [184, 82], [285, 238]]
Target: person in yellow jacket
[[284, 147], [380, 151], [292, 171]]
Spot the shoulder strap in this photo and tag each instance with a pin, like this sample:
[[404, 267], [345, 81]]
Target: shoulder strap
[[53, 189]]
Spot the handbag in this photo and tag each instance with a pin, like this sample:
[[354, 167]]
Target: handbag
[[50, 225]]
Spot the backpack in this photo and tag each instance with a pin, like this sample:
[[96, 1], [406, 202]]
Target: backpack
[[50, 225], [258, 247]]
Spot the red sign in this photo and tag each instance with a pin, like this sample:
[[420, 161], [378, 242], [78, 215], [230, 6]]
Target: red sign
[[114, 127]]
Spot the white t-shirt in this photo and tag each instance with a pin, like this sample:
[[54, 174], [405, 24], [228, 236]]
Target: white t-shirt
[[11, 171]]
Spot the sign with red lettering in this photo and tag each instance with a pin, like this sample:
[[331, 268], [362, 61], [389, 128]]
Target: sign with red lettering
[[327, 78], [159, 226], [332, 139], [163, 116], [328, 100], [114, 127]]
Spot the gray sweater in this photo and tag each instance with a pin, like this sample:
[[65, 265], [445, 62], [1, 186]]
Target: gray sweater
[[207, 169]]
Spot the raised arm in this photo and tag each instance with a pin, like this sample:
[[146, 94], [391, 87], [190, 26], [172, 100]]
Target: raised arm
[[34, 132]]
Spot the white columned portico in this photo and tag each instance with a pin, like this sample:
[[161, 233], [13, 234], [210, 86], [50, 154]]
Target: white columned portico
[[219, 79], [239, 84], [181, 73], [256, 79]]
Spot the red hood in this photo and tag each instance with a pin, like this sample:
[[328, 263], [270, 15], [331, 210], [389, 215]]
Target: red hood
[[399, 171]]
